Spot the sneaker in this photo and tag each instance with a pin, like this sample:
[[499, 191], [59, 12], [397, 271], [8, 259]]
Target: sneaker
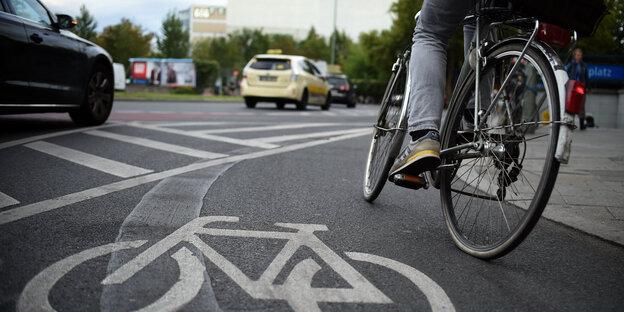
[[419, 156]]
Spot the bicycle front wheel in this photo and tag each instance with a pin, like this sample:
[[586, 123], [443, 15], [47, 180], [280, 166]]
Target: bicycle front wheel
[[387, 137], [495, 187]]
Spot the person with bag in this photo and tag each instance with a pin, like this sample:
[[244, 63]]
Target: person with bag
[[577, 70]]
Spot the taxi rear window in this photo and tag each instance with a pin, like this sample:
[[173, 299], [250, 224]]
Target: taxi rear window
[[271, 64]]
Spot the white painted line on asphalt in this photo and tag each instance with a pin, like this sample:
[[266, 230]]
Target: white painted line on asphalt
[[51, 135], [267, 128], [35, 294], [6, 200], [157, 145], [55, 203], [186, 123], [186, 288], [88, 160], [436, 296], [283, 138], [252, 143]]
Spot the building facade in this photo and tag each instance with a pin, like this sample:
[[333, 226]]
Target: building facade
[[204, 21]]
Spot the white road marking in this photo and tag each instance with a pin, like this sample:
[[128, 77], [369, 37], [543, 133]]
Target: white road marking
[[283, 138], [35, 294], [55, 203], [251, 143], [88, 160], [188, 285], [6, 200], [51, 135], [157, 145], [267, 128], [436, 296], [186, 123]]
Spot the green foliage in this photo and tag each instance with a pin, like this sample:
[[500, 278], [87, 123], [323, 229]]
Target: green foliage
[[86, 25], [175, 40], [184, 90], [315, 47], [609, 36], [124, 41], [207, 72]]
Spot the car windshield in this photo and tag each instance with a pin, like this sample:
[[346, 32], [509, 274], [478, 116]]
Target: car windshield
[[337, 81], [271, 64]]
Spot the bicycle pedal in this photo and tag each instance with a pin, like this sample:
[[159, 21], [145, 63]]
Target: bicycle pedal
[[412, 182]]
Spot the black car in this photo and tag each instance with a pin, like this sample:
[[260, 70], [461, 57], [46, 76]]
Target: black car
[[46, 68], [342, 91]]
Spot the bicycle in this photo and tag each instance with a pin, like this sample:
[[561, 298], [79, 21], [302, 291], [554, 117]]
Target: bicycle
[[499, 160]]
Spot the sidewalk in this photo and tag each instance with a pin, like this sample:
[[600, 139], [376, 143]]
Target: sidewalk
[[589, 193]]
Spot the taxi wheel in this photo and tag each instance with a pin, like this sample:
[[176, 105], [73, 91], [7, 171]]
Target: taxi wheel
[[328, 102], [280, 105], [301, 105], [250, 103]]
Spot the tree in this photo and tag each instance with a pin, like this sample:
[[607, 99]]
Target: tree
[[86, 25], [314, 46], [343, 44], [250, 42], [286, 43], [175, 40], [125, 40]]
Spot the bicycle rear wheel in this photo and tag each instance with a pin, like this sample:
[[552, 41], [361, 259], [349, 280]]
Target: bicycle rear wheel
[[493, 193], [387, 137]]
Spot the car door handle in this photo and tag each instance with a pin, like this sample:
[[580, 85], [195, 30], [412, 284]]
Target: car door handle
[[36, 38]]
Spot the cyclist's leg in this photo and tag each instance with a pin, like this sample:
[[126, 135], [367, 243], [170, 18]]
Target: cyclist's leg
[[437, 23]]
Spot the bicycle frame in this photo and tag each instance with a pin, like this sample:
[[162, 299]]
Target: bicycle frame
[[564, 140]]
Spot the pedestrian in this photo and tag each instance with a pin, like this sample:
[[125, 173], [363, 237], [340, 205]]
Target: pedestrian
[[577, 70]]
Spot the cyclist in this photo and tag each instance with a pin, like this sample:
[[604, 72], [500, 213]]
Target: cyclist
[[437, 23]]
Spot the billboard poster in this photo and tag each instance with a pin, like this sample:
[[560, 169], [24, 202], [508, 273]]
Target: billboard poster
[[163, 72], [178, 73]]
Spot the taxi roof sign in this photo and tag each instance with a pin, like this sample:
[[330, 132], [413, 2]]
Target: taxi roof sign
[[274, 51]]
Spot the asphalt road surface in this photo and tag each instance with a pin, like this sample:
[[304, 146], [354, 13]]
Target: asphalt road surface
[[215, 207]]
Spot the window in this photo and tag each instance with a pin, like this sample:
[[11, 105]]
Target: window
[[271, 64], [32, 10]]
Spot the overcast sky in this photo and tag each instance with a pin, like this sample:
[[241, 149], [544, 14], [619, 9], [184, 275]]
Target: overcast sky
[[147, 13]]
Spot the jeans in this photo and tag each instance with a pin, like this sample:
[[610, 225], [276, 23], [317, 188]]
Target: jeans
[[437, 23]]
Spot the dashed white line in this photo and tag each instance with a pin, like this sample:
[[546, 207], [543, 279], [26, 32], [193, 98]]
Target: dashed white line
[[252, 143], [284, 138], [156, 145], [55, 203], [6, 200], [88, 160], [267, 128]]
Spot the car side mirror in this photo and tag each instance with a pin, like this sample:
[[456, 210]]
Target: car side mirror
[[65, 21]]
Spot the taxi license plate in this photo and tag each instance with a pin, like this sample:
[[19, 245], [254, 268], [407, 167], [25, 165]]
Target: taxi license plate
[[268, 78]]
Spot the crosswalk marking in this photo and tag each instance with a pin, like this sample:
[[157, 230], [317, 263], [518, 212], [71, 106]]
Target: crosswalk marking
[[266, 128], [283, 138], [88, 160], [6, 200], [252, 143], [157, 145]]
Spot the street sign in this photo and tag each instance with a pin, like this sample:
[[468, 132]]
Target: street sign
[[603, 72]]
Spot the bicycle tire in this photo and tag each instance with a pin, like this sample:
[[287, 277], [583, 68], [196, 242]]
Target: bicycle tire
[[479, 196], [385, 144]]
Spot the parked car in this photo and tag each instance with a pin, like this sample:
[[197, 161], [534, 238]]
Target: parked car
[[284, 79], [46, 68], [342, 90]]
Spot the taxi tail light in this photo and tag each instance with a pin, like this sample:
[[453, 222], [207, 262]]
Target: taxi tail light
[[554, 35], [575, 92]]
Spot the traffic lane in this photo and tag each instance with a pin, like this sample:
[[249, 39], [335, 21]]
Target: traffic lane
[[32, 244], [555, 268]]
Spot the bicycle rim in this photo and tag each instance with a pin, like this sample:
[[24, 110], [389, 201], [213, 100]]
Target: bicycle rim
[[386, 136], [493, 196]]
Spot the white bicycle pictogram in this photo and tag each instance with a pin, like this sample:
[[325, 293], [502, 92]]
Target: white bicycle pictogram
[[296, 290]]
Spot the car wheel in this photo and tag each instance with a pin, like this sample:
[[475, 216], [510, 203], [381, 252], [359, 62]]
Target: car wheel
[[98, 101], [280, 105], [250, 103], [301, 105], [328, 102]]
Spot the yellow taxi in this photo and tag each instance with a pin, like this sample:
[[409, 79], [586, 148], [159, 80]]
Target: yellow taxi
[[284, 79]]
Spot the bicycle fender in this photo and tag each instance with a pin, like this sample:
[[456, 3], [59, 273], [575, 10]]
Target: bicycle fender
[[564, 139]]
